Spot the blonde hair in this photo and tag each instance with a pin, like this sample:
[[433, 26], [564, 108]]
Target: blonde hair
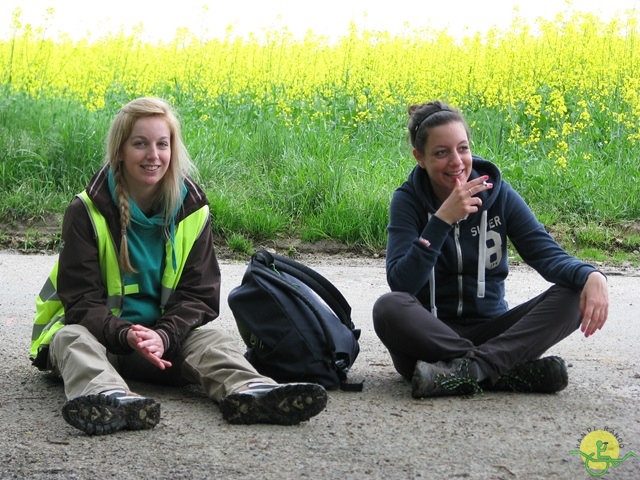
[[170, 194]]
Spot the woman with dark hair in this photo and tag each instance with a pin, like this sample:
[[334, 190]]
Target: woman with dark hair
[[445, 322], [136, 278]]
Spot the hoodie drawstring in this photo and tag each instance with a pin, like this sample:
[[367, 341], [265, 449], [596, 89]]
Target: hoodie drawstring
[[482, 253], [432, 285], [432, 291]]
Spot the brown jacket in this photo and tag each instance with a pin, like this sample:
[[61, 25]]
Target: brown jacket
[[196, 299]]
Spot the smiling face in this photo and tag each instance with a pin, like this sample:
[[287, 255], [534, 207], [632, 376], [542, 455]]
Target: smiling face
[[145, 158], [446, 157]]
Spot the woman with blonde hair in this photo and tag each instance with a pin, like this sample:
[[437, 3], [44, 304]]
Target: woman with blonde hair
[[136, 278]]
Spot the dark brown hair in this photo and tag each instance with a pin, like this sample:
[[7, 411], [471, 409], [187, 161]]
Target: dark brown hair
[[428, 115]]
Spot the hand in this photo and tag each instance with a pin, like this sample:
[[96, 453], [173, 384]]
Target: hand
[[594, 303], [149, 344], [462, 201]]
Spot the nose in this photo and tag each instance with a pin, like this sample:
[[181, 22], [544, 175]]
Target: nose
[[455, 158], [152, 152]]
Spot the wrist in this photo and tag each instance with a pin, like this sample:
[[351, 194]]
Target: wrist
[[164, 337], [448, 221], [123, 338]]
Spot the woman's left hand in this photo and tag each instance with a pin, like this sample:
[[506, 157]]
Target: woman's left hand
[[149, 344], [594, 303]]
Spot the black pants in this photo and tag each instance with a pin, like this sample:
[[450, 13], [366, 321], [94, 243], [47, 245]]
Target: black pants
[[411, 333]]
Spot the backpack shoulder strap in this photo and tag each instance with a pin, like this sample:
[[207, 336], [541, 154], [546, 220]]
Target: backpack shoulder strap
[[326, 290], [323, 287]]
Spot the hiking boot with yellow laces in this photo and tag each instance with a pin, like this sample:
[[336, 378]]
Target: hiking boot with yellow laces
[[543, 375], [457, 377]]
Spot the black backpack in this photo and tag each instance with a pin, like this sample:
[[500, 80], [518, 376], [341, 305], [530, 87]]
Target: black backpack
[[296, 324]]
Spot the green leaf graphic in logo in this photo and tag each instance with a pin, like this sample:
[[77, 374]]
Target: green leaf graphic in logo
[[600, 450]]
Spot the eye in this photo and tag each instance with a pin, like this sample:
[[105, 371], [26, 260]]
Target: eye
[[163, 145], [440, 153]]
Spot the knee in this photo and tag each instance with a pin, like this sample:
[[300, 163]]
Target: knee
[[387, 307], [565, 292], [70, 333], [200, 340], [568, 298], [70, 341]]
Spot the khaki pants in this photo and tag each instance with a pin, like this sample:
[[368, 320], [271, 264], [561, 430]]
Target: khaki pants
[[208, 357]]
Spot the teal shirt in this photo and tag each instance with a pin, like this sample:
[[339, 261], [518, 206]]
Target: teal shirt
[[142, 289], [146, 239]]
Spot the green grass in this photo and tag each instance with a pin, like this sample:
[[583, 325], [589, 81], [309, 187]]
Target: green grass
[[268, 181], [303, 141]]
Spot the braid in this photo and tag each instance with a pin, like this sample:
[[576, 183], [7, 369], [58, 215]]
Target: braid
[[125, 218]]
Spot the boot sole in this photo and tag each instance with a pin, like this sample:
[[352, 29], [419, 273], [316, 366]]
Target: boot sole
[[285, 405], [102, 414]]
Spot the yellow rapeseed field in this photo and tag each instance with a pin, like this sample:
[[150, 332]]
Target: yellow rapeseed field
[[312, 128], [567, 80]]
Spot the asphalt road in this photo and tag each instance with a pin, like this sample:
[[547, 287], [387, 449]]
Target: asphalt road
[[380, 433]]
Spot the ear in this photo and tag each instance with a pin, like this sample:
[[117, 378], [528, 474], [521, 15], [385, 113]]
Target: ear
[[419, 157]]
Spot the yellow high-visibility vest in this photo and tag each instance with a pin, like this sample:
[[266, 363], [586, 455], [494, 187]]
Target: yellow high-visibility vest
[[49, 316]]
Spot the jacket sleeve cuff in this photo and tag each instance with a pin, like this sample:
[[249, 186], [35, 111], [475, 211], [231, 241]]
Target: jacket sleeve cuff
[[122, 339], [165, 340], [603, 274], [436, 231]]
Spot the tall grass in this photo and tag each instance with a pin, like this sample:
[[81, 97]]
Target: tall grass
[[306, 138]]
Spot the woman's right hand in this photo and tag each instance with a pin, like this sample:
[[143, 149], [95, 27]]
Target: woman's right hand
[[149, 344], [462, 201]]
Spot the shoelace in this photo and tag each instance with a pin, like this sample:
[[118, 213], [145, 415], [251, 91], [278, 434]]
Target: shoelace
[[523, 377], [459, 381]]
